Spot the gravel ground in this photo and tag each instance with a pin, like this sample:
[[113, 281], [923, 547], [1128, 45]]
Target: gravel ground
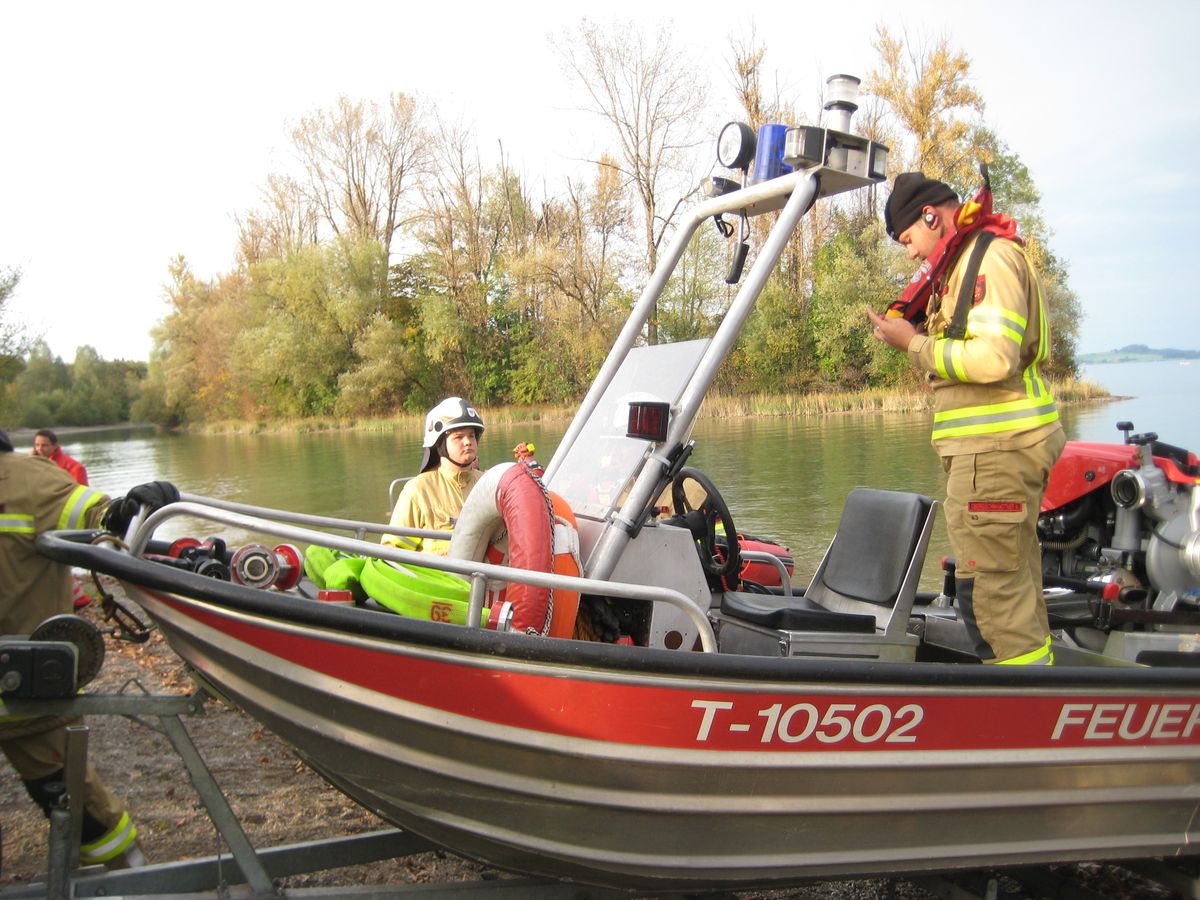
[[279, 800]]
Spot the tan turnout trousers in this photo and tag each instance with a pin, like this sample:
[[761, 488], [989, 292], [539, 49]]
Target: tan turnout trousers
[[992, 504]]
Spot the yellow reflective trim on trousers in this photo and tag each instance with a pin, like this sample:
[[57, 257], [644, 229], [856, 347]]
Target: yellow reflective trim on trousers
[[111, 844], [16, 523], [81, 500], [1042, 656]]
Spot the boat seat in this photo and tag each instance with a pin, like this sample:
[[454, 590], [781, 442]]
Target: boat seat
[[860, 597], [792, 614]]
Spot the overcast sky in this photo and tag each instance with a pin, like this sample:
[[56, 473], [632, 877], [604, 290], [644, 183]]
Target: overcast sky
[[136, 132]]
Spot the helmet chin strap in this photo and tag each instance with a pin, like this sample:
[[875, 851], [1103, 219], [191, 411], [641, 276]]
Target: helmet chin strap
[[456, 463], [446, 456]]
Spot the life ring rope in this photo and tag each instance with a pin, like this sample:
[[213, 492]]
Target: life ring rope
[[528, 465]]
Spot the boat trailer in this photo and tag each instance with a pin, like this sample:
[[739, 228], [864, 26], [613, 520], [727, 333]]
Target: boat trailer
[[33, 683]]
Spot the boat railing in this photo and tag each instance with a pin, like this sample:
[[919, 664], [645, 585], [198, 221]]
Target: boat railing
[[759, 556], [360, 528], [295, 527]]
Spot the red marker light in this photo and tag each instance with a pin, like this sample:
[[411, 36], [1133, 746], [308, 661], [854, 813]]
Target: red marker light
[[648, 420]]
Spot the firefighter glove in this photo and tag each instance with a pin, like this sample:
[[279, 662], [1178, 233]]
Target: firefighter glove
[[152, 495]]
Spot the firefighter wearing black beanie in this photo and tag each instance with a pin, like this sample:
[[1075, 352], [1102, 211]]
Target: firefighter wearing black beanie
[[995, 424], [911, 193]]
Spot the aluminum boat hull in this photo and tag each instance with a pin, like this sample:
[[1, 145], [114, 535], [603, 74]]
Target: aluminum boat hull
[[650, 769]]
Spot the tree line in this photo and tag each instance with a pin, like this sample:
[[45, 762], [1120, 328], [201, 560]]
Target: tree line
[[392, 267]]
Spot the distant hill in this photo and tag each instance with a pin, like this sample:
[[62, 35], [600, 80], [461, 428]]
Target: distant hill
[[1136, 353]]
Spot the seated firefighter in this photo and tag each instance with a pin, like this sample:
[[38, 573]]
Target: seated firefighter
[[37, 496], [449, 469]]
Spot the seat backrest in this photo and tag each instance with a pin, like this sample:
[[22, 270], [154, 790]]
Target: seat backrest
[[394, 489], [874, 563]]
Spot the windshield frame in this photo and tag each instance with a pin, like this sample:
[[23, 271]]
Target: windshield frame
[[594, 472]]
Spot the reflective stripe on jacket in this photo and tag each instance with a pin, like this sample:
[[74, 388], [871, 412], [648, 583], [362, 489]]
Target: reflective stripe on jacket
[[988, 389], [36, 496]]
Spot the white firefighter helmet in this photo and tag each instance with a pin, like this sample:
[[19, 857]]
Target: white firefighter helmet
[[451, 413]]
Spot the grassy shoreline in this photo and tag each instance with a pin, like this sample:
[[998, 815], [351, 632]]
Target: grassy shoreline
[[1067, 393]]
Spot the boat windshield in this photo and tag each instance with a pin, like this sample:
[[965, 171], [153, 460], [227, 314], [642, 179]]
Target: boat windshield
[[602, 462]]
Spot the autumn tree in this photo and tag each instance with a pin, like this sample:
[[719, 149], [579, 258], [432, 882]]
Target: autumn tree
[[392, 371], [651, 95], [150, 400], [359, 159], [746, 61], [461, 232], [13, 342], [567, 275], [929, 92], [195, 340], [585, 253], [33, 397], [90, 391], [303, 323], [695, 297], [772, 352], [285, 223]]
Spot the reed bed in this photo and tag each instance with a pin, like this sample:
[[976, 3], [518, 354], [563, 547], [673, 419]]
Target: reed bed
[[816, 403], [870, 400]]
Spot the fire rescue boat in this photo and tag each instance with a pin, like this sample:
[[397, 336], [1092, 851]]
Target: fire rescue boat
[[716, 737]]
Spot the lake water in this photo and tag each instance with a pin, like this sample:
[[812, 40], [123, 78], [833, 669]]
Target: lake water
[[1164, 397], [783, 478]]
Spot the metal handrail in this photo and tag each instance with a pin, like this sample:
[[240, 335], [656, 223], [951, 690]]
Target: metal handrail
[[785, 579], [274, 522], [359, 527], [767, 196], [795, 194]]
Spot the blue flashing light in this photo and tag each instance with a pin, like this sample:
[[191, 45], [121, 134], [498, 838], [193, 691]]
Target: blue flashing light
[[768, 163]]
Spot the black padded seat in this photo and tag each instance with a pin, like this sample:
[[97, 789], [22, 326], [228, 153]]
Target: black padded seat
[[793, 614], [860, 598], [874, 546]]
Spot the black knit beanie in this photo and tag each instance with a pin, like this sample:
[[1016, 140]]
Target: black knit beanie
[[911, 193]]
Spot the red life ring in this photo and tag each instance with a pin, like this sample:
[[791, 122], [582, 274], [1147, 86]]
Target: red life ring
[[506, 520]]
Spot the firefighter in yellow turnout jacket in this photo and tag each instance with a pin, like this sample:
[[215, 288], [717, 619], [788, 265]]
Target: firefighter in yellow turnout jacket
[[995, 425], [433, 499], [36, 496]]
